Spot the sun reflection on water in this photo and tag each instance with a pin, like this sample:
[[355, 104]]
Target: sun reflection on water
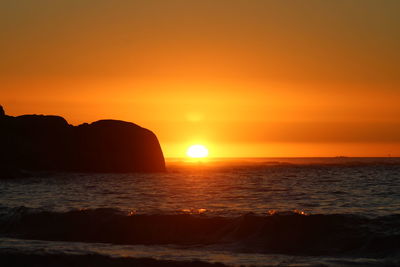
[[192, 211]]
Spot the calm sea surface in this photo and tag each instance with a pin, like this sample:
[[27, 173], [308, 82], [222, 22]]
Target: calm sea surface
[[360, 193]]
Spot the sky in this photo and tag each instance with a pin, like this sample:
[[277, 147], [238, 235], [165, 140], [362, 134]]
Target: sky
[[251, 78]]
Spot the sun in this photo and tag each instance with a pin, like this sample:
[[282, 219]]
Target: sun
[[197, 151]]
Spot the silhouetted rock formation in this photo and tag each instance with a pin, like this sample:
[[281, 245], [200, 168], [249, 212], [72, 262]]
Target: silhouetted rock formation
[[49, 143]]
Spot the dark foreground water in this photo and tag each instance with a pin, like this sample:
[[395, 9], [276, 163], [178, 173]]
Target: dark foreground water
[[264, 212]]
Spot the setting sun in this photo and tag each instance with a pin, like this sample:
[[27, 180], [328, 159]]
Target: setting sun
[[200, 133], [197, 151]]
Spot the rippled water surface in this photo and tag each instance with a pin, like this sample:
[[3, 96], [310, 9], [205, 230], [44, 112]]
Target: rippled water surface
[[235, 212], [223, 188]]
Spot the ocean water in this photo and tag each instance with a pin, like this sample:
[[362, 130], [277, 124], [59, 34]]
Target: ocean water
[[260, 212]]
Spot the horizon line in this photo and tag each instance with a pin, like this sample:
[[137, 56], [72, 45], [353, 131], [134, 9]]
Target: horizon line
[[293, 157]]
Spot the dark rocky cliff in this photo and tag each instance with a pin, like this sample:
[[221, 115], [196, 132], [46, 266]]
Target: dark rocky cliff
[[49, 143]]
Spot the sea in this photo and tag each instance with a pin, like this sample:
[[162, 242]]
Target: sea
[[216, 212]]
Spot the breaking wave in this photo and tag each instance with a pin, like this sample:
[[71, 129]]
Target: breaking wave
[[287, 232]]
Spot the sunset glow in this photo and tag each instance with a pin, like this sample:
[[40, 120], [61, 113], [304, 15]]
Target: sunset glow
[[197, 151], [200, 132], [259, 79]]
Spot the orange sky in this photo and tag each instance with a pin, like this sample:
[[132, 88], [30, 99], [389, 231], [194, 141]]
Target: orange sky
[[246, 78]]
